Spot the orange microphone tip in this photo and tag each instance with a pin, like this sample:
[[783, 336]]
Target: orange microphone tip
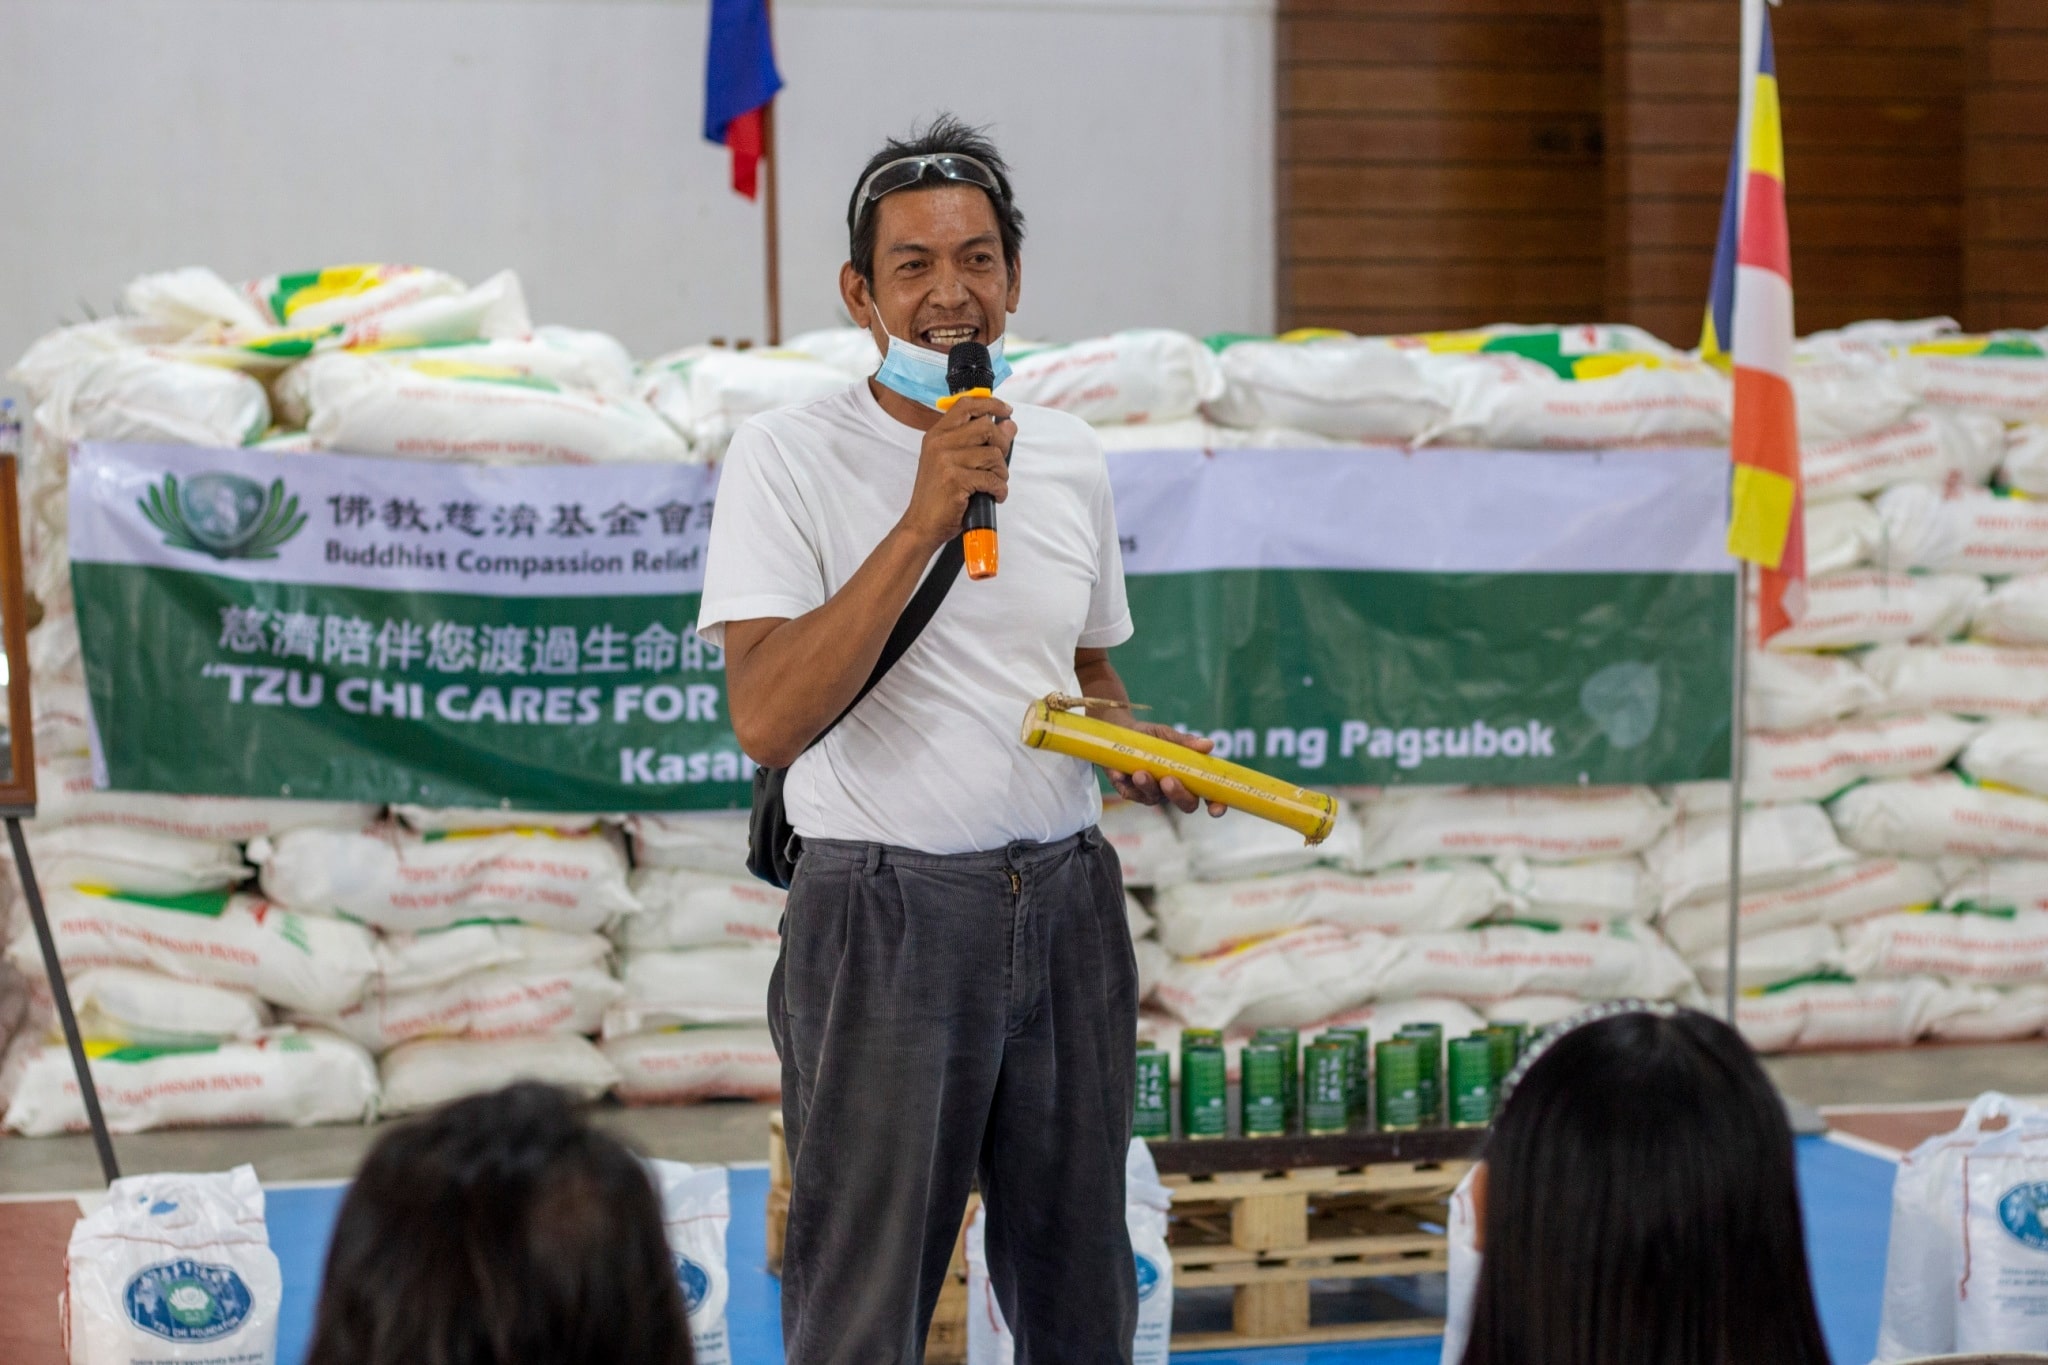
[[980, 551]]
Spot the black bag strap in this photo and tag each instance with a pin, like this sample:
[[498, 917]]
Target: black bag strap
[[917, 614]]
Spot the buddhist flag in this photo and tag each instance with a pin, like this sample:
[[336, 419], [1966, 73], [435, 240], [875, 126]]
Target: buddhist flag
[[740, 81], [1749, 325]]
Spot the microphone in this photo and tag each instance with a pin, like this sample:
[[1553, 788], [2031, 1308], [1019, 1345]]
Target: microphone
[[970, 374]]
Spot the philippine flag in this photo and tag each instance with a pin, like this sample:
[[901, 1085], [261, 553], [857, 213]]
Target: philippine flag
[[740, 81]]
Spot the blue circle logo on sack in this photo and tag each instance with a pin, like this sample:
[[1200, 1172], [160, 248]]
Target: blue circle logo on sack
[[187, 1300], [226, 516], [2019, 1208], [696, 1284], [1148, 1277]]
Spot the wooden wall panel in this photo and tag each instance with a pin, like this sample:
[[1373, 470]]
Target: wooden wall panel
[[2005, 202], [1439, 162]]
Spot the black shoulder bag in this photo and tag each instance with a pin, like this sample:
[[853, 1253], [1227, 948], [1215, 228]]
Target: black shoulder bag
[[771, 843]]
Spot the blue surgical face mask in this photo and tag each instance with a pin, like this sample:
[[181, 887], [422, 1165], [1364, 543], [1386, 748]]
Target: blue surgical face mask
[[919, 373]]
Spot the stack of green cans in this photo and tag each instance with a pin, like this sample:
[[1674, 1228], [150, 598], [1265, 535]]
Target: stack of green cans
[[1357, 1054], [1204, 1101], [1473, 1091], [1152, 1112], [1262, 1092], [1429, 1043], [1397, 1085]]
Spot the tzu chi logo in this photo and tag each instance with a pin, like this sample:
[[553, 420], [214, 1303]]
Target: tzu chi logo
[[223, 515], [187, 1301]]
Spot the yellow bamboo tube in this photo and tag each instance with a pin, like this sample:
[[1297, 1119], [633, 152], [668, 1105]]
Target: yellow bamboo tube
[[1312, 814]]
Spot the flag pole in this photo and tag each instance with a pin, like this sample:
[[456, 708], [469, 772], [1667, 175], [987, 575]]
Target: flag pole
[[770, 219], [1738, 743]]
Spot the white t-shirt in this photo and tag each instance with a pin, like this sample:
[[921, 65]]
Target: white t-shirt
[[931, 759]]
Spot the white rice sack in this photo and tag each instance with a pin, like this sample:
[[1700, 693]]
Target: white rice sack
[[1137, 917], [399, 880], [1780, 845], [1287, 981], [1225, 849], [2016, 612], [1869, 886], [471, 819], [1841, 535], [1152, 961], [502, 1002], [696, 1205], [705, 392], [133, 860], [1990, 948], [1820, 1015], [1146, 845], [58, 353], [306, 962], [422, 409], [1551, 825], [192, 299], [704, 841], [684, 909], [1353, 388], [2012, 752], [286, 1077], [1771, 959], [1878, 338], [1935, 448], [138, 395], [1987, 1014], [493, 310], [173, 1268], [1499, 961], [1796, 765], [432, 1071], [723, 984], [1972, 532], [343, 294], [1793, 691], [2026, 459], [1872, 607], [684, 1065], [607, 363], [435, 957], [66, 797], [1515, 403], [1942, 816], [1998, 1246], [126, 1005], [1845, 395], [1201, 917], [1969, 680], [1144, 375], [2012, 388], [1995, 884], [1574, 893], [1537, 1012], [62, 719], [850, 350]]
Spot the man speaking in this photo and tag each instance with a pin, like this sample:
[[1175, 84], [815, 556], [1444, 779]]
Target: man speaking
[[956, 995]]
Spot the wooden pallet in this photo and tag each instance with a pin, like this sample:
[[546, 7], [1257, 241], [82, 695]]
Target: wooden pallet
[[1267, 1217], [946, 1342]]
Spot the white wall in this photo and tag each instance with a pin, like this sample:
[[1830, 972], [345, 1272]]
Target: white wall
[[562, 137]]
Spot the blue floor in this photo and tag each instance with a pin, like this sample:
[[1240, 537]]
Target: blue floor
[[1847, 1196]]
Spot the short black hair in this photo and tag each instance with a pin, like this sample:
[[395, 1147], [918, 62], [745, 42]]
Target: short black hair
[[944, 135], [1642, 1205], [501, 1230]]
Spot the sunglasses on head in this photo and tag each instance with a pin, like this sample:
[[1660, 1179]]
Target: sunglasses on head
[[906, 171]]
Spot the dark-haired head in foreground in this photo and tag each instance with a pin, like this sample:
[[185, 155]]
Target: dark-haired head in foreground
[[500, 1230], [1640, 1207]]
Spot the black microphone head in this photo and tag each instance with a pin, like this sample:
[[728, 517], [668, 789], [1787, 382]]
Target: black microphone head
[[968, 367]]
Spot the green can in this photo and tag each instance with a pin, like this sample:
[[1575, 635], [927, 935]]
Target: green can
[[1204, 1101], [1358, 1053], [1289, 1043], [1152, 1114], [1506, 1048], [1429, 1041], [1397, 1079], [1326, 1106], [1473, 1090], [1200, 1037], [1262, 1092], [1516, 1030]]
